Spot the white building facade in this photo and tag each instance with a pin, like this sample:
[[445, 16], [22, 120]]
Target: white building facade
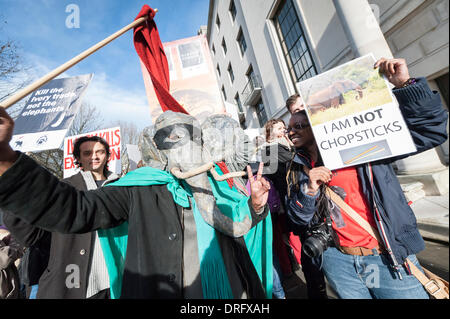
[[261, 48]]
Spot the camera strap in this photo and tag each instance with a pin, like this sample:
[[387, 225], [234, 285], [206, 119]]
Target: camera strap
[[352, 214], [433, 284]]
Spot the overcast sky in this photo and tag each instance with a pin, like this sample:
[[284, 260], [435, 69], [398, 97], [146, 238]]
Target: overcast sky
[[39, 28]]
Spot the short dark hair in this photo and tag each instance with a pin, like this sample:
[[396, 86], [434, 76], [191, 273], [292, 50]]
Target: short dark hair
[[291, 100], [83, 139]]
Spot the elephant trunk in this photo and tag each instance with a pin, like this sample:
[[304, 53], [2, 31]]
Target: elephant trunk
[[360, 93], [206, 204]]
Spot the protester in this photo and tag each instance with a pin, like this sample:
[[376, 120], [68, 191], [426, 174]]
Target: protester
[[315, 280], [294, 103], [286, 245], [356, 264], [83, 250], [161, 259], [10, 252]]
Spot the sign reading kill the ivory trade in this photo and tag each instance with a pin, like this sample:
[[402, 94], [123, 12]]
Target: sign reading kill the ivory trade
[[354, 116], [111, 135], [48, 114]]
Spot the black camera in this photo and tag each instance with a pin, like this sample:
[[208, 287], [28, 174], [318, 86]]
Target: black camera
[[318, 238]]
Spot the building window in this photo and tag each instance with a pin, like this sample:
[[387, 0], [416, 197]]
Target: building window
[[293, 42], [241, 42], [230, 73], [223, 93], [250, 73], [237, 100], [261, 112], [213, 50], [232, 10], [218, 70], [224, 46], [218, 22]]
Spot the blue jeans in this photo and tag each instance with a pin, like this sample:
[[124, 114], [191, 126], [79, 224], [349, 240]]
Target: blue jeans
[[277, 290], [33, 292], [369, 277]]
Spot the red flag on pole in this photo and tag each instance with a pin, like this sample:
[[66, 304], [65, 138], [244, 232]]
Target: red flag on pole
[[151, 52]]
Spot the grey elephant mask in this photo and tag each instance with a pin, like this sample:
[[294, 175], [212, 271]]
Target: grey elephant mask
[[178, 141]]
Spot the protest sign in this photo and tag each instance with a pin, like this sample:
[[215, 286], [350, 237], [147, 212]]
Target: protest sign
[[354, 116], [134, 156], [111, 135], [48, 114], [193, 81]]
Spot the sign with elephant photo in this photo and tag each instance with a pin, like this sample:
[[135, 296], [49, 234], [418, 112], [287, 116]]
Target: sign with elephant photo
[[354, 116]]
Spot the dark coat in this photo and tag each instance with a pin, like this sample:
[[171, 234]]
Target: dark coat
[[51, 252], [426, 120], [154, 259]]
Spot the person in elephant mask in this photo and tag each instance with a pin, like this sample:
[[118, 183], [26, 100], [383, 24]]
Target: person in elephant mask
[[163, 236]]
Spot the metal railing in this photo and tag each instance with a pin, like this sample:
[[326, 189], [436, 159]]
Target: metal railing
[[252, 89]]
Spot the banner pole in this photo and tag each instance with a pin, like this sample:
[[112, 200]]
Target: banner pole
[[49, 76]]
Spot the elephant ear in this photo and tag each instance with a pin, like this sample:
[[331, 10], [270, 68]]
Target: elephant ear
[[151, 156], [226, 141]]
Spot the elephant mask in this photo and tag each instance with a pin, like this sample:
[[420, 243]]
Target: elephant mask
[[177, 146]]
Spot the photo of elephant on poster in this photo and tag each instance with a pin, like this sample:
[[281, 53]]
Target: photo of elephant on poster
[[332, 96], [350, 88]]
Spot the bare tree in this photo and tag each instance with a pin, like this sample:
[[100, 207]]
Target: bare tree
[[128, 131], [13, 71], [88, 119], [129, 134]]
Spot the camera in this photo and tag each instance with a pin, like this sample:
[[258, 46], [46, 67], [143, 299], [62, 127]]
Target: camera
[[318, 238]]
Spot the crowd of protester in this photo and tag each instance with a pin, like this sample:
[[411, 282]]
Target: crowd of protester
[[329, 247]]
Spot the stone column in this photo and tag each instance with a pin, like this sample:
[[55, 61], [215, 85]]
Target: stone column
[[362, 29], [365, 36]]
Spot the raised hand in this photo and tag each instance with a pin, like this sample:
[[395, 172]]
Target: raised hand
[[395, 70], [259, 188]]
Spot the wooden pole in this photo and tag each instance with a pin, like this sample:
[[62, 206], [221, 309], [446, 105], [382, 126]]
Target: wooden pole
[[49, 76]]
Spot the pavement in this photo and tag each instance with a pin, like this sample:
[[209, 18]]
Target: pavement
[[432, 217]]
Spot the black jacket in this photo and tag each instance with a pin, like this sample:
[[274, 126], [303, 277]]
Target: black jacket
[[51, 252], [154, 259]]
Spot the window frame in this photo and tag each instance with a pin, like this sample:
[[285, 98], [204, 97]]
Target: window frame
[[304, 65]]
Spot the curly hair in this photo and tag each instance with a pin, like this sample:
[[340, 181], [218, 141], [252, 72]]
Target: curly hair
[[83, 139], [269, 126]]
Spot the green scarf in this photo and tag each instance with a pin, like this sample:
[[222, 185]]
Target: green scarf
[[215, 283]]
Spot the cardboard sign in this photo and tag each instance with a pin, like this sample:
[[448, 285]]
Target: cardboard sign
[[111, 135], [193, 81], [354, 116], [134, 156], [48, 114]]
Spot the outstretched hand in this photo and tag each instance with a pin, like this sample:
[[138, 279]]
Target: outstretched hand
[[259, 188], [395, 70]]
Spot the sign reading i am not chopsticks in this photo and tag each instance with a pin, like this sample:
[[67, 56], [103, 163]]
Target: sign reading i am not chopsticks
[[354, 116]]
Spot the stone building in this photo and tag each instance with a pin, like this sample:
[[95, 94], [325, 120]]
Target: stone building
[[261, 48]]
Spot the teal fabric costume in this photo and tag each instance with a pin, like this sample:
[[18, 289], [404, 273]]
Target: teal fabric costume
[[215, 283]]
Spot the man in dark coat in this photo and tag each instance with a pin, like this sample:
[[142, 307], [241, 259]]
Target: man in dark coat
[[156, 264], [74, 267]]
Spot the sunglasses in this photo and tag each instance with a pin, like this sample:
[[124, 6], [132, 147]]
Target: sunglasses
[[298, 126]]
